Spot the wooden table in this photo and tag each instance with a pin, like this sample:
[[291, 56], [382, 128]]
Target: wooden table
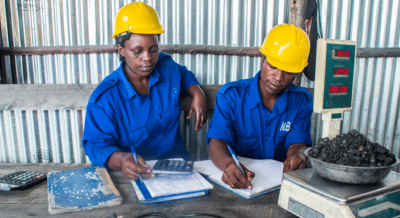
[[32, 202]]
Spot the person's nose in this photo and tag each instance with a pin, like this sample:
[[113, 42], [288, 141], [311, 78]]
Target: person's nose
[[147, 56], [279, 75]]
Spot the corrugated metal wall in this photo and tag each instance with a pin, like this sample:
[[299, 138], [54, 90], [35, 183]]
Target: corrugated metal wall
[[30, 136], [373, 24]]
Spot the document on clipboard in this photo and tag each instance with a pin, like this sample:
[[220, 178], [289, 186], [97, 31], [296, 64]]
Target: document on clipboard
[[170, 187]]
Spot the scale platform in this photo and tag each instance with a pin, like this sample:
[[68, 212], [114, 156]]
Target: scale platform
[[306, 194]]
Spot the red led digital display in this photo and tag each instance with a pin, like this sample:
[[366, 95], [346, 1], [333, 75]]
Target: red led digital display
[[342, 53], [338, 89], [340, 71]]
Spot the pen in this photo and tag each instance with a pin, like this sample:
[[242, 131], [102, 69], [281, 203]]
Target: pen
[[135, 158], [236, 160]]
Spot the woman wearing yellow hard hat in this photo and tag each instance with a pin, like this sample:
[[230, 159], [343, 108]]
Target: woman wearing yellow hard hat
[[265, 117], [136, 108]]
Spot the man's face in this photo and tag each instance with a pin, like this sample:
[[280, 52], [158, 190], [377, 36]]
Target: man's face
[[141, 53], [273, 80]]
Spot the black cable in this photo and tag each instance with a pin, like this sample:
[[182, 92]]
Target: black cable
[[151, 214], [187, 215], [202, 214], [319, 25]]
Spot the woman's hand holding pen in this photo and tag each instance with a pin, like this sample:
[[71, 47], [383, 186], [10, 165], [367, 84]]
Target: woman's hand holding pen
[[125, 162], [234, 178], [198, 105], [131, 170]]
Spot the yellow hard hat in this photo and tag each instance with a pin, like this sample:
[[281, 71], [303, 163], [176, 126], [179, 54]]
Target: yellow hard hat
[[286, 47], [138, 18]]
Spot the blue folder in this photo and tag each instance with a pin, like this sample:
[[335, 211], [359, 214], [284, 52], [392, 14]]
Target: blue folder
[[144, 195]]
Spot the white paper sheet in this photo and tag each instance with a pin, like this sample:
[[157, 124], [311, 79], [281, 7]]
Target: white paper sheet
[[176, 184], [268, 176], [141, 198], [271, 169], [206, 167]]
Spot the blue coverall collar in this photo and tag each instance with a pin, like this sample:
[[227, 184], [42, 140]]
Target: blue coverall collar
[[127, 90], [254, 93], [255, 96]]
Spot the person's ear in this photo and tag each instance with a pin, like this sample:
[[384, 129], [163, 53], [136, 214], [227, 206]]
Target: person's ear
[[121, 50], [262, 60]]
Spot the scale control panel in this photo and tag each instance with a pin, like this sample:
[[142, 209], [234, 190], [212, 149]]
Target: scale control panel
[[334, 79]]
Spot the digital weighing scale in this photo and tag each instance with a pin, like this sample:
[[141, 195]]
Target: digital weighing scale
[[306, 194], [334, 82]]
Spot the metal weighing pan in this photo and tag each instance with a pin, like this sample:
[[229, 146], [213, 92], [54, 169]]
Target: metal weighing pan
[[350, 174]]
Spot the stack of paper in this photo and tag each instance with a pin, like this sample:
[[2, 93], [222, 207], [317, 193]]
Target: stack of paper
[[171, 187], [268, 175]]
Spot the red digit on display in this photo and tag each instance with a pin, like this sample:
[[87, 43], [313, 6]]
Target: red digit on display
[[346, 71], [347, 53]]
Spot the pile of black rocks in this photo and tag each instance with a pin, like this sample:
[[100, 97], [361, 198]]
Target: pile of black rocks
[[352, 149]]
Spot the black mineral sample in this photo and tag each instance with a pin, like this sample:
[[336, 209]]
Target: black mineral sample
[[388, 161], [352, 149], [381, 150], [315, 150], [381, 157]]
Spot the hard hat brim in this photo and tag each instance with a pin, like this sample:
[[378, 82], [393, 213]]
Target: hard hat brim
[[142, 31], [291, 68]]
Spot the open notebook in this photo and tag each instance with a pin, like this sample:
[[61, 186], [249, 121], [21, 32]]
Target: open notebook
[[268, 175], [167, 187]]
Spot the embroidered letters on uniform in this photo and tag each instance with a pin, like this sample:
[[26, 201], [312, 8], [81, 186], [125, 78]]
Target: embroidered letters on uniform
[[285, 126]]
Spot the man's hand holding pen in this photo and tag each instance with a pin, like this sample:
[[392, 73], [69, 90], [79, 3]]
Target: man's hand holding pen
[[235, 174], [235, 179]]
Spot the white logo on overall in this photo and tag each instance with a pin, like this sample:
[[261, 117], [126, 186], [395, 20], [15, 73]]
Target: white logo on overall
[[285, 126]]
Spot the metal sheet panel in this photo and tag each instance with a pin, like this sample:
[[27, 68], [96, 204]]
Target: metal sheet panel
[[210, 22]]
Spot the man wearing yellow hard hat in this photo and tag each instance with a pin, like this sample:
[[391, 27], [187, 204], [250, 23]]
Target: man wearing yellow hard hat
[[136, 108], [265, 117]]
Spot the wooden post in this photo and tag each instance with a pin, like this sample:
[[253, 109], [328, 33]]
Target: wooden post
[[297, 14]]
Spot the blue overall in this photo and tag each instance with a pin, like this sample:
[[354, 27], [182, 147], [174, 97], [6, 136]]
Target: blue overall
[[251, 129], [117, 117]]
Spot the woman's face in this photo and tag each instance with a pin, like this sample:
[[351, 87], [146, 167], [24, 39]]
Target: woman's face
[[141, 53]]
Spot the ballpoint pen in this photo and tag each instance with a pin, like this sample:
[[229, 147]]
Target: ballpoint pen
[[135, 158], [236, 160]]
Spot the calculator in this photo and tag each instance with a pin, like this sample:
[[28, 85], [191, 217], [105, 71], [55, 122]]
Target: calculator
[[20, 180], [166, 166]]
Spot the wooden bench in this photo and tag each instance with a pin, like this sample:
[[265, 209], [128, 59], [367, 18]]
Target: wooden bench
[[50, 97]]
